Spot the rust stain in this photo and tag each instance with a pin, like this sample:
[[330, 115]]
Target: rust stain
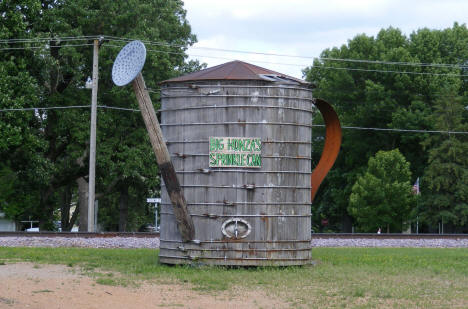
[[332, 145], [226, 239], [241, 122]]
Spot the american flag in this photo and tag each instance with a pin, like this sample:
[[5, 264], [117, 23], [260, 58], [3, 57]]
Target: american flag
[[416, 187]]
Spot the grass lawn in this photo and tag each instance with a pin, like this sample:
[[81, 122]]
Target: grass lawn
[[342, 277]]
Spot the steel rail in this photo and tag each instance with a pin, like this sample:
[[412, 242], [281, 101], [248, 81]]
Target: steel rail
[[79, 234], [375, 236], [386, 236]]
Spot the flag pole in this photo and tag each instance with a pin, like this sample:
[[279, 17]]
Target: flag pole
[[417, 192]]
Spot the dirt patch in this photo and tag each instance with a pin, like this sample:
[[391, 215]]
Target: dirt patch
[[26, 285]]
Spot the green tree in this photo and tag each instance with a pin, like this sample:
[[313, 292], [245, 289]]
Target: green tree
[[445, 198], [53, 163], [19, 142], [381, 95], [383, 197]]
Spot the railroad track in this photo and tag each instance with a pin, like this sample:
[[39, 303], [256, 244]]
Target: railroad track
[[80, 234], [151, 240], [156, 235], [386, 236]]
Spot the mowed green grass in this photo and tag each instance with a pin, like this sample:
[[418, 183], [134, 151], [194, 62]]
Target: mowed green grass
[[341, 277]]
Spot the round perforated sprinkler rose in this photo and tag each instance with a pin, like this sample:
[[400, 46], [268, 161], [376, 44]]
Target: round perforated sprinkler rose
[[127, 68]]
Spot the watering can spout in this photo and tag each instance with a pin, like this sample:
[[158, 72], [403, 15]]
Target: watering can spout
[[331, 148], [126, 69]]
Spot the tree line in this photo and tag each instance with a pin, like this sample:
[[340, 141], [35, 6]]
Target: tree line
[[390, 81], [46, 57], [44, 153]]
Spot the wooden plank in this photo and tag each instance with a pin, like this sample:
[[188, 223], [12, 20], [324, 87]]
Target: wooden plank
[[184, 221]]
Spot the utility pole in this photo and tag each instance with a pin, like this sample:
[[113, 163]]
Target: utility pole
[[92, 143]]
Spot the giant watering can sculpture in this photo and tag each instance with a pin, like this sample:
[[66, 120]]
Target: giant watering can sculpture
[[126, 69]]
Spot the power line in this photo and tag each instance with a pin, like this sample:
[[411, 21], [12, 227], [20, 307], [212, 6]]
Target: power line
[[443, 65], [257, 61], [66, 107], [266, 62], [118, 108], [160, 43], [44, 47], [43, 108], [298, 56], [396, 130], [313, 67], [47, 39], [390, 71], [314, 125], [205, 56]]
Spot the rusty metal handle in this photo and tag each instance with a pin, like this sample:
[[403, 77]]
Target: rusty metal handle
[[331, 148]]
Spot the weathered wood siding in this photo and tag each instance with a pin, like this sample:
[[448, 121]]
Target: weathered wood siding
[[273, 199]]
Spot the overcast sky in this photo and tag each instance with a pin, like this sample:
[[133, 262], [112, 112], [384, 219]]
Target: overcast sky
[[304, 28]]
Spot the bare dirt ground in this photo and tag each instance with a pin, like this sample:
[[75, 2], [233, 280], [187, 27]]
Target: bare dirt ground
[[26, 285]]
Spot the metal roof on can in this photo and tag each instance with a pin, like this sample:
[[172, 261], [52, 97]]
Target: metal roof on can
[[237, 70]]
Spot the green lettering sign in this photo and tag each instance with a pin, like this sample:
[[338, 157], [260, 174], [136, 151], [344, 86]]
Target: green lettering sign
[[235, 152]]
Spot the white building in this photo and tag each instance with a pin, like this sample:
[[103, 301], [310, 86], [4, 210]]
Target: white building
[[6, 225]]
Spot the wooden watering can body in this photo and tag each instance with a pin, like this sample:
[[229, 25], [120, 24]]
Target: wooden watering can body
[[244, 216]]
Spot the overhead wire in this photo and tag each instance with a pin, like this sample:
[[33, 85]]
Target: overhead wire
[[44, 47], [258, 61], [46, 39], [390, 71], [313, 67], [118, 108], [396, 130], [119, 39], [43, 108], [159, 43], [66, 107], [421, 64], [297, 56], [313, 125]]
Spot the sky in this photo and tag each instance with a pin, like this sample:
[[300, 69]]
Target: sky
[[303, 29]]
